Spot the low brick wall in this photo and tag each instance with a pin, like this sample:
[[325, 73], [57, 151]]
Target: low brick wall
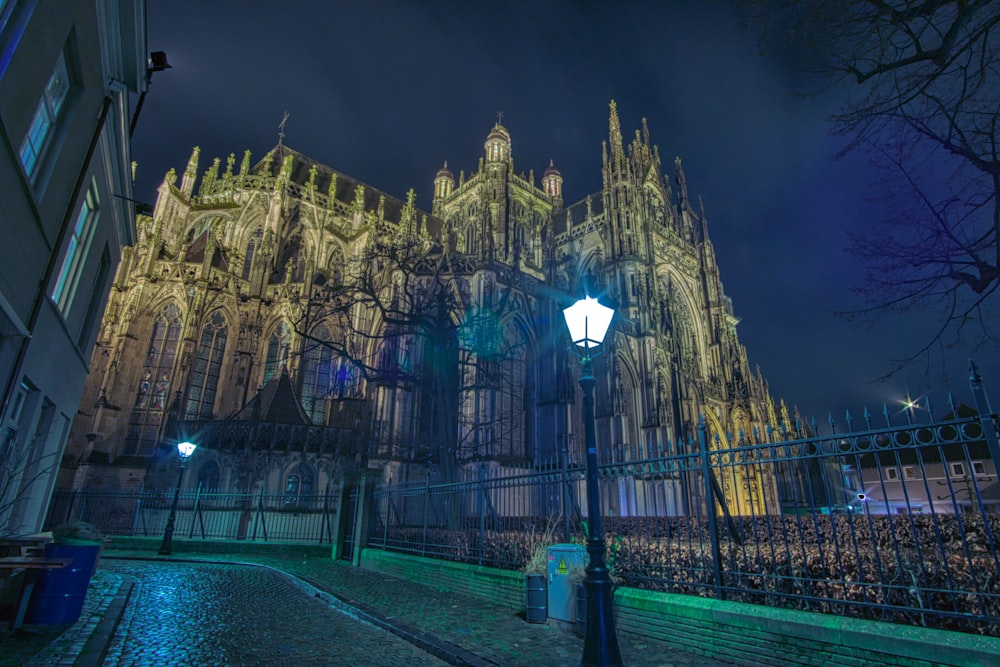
[[730, 631], [500, 586]]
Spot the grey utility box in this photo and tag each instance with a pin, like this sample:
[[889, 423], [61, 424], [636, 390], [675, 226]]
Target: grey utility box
[[563, 559]]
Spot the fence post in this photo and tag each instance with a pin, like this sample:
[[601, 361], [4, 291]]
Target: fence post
[[361, 511], [564, 483], [986, 416], [713, 528], [137, 517], [427, 498], [484, 500], [196, 512]]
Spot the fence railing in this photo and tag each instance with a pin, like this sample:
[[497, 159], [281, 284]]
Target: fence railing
[[220, 515], [898, 523]]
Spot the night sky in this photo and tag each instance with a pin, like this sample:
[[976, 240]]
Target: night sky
[[387, 91]]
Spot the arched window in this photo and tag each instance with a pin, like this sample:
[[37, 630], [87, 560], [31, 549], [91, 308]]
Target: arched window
[[325, 375], [318, 376], [252, 246], [206, 369], [153, 393], [299, 485], [209, 476], [278, 347]]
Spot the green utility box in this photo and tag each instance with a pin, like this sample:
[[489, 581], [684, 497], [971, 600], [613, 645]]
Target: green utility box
[[566, 565]]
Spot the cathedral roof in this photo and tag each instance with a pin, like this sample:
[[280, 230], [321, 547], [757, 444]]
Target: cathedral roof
[[275, 403], [577, 213], [346, 185]]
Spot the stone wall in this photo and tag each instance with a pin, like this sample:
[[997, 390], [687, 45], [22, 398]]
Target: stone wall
[[729, 631]]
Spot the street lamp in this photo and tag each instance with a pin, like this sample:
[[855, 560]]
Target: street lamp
[[588, 322], [184, 450]]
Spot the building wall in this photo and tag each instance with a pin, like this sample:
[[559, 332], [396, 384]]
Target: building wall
[[515, 257], [66, 75]]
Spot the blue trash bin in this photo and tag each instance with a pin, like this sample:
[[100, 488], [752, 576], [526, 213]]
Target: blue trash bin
[[59, 594]]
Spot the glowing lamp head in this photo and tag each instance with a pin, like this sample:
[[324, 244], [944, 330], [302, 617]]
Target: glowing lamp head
[[588, 322], [186, 449]]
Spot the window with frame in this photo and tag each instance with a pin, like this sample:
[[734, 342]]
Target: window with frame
[[957, 469], [74, 259], [979, 467], [909, 472], [47, 115], [251, 248], [206, 369], [278, 347], [299, 485], [891, 474], [152, 396]]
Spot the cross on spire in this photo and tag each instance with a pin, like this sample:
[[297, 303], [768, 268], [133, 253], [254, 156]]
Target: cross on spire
[[499, 117]]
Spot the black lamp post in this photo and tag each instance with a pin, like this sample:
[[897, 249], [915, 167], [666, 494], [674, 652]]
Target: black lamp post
[[588, 322], [184, 450]]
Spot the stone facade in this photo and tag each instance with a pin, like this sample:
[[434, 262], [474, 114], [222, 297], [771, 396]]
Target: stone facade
[[254, 281]]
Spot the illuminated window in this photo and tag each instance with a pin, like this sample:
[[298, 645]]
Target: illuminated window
[[206, 369], [152, 394], [76, 252], [299, 485], [278, 347], [47, 114], [909, 472], [251, 248]]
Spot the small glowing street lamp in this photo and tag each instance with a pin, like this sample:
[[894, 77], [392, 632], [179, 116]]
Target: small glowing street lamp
[[588, 322], [184, 450]]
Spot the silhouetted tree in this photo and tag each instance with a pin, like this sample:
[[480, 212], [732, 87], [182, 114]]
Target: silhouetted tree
[[402, 316], [922, 97]]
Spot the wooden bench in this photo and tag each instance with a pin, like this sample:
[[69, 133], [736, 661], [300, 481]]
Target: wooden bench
[[33, 566]]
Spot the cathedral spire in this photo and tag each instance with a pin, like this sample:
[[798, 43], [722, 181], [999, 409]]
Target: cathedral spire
[[615, 136], [191, 173]]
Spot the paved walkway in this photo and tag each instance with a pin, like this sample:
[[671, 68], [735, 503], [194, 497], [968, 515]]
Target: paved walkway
[[144, 610]]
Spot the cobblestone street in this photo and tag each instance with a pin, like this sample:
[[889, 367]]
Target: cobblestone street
[[209, 614]]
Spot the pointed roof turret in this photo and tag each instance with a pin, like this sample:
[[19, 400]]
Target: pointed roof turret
[[191, 173], [615, 135], [498, 145], [552, 181], [276, 403]]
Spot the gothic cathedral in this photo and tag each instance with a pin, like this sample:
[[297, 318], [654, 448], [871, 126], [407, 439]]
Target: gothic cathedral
[[298, 323]]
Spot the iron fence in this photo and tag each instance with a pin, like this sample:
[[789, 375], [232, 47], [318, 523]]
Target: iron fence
[[895, 522], [220, 515]]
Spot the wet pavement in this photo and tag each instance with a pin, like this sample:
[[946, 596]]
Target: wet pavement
[[203, 614], [143, 610]]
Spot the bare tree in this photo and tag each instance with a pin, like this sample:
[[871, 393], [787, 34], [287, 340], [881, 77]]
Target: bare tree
[[922, 97], [402, 316], [24, 470]]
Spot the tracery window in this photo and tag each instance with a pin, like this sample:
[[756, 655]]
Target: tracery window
[[206, 369], [325, 375], [278, 348], [299, 484], [152, 397], [252, 245]]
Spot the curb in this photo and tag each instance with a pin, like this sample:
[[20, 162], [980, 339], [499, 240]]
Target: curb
[[96, 648]]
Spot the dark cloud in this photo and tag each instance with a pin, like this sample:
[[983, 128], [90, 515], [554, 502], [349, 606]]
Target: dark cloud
[[388, 90]]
